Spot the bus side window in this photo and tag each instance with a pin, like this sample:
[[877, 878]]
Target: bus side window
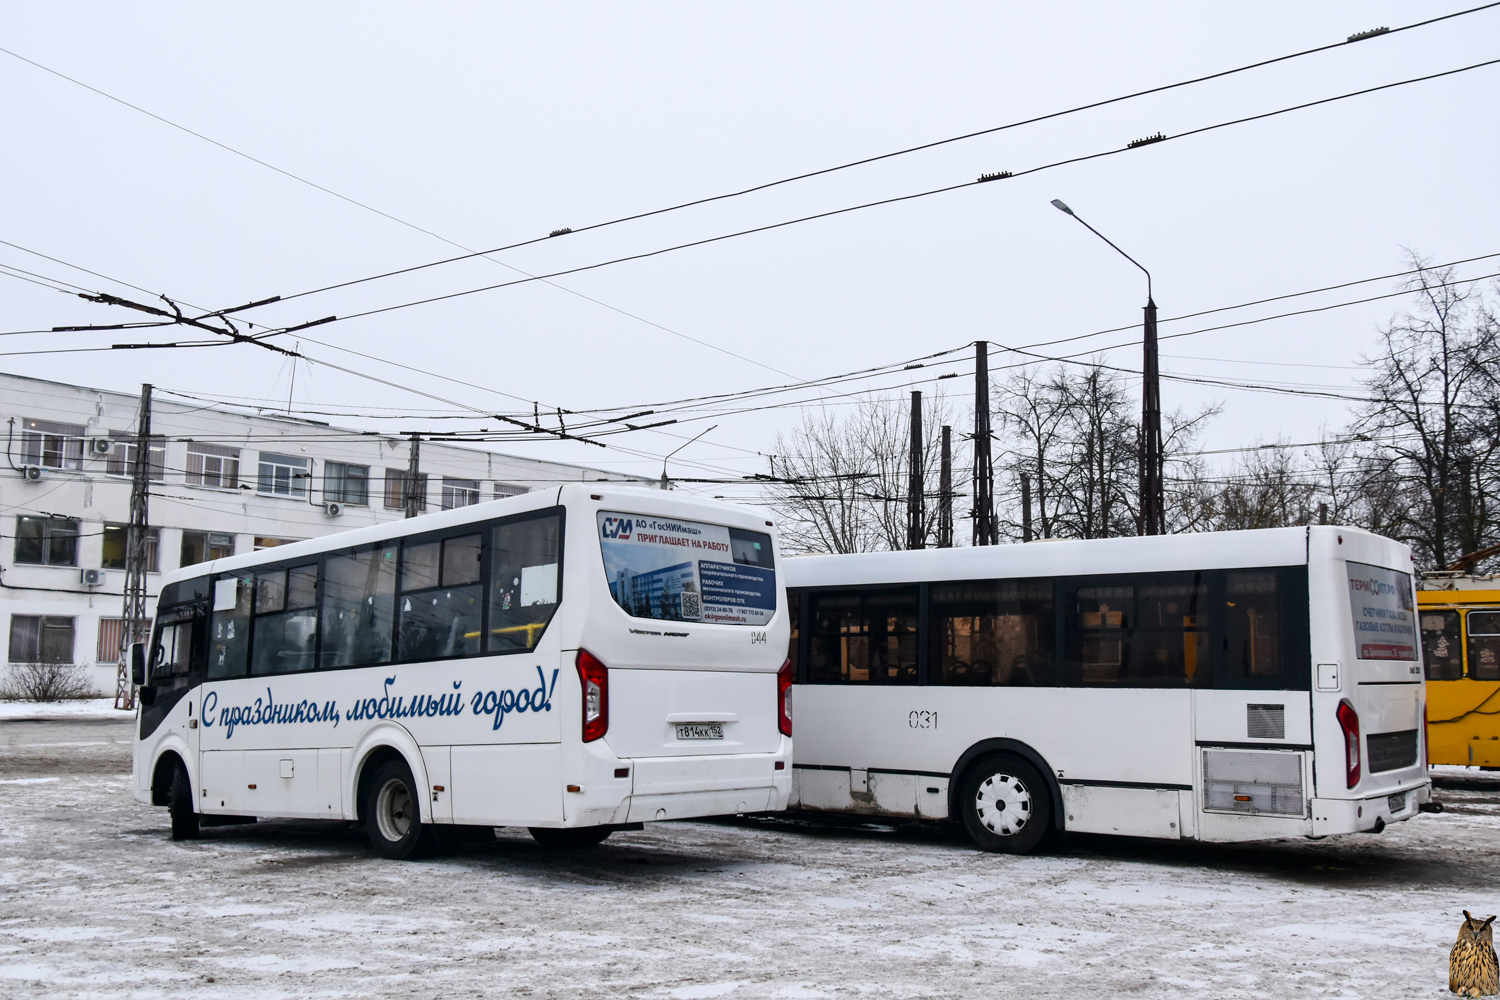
[[172, 655], [1098, 634], [1441, 649], [1484, 645], [864, 637], [525, 581], [441, 603], [229, 641], [285, 633], [794, 616], [991, 632], [1252, 629], [1151, 634], [359, 604]]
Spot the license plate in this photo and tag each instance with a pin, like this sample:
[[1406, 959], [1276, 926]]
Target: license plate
[[1397, 802], [700, 731]]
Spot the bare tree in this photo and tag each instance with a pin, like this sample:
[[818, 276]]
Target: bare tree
[[1271, 489], [1434, 388], [842, 479], [1034, 408], [1097, 496]]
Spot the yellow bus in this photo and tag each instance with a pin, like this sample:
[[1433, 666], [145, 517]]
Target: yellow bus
[[1460, 624]]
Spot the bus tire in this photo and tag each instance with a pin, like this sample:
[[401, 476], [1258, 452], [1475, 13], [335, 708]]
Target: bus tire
[[180, 805], [1004, 805], [393, 817], [578, 836]]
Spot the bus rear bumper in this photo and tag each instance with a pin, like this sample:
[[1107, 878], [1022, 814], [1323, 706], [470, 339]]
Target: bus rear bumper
[[1331, 816], [663, 788]]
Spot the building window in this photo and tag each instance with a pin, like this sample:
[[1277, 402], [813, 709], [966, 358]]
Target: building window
[[115, 539], [213, 465], [344, 483], [124, 454], [263, 542], [395, 489], [459, 492], [41, 639], [282, 475], [112, 639], [47, 541], [202, 546], [52, 445], [503, 490]]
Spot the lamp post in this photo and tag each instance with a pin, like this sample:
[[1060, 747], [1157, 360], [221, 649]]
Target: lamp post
[[1153, 519]]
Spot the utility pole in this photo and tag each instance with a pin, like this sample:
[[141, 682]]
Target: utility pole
[[945, 491], [414, 499], [986, 531], [916, 507], [1149, 453], [135, 627], [1025, 506], [1153, 466]]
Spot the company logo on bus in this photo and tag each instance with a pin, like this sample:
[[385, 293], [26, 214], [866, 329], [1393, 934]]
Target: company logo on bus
[[1372, 586], [617, 527]]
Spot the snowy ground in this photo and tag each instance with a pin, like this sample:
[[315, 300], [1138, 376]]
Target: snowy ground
[[92, 708], [95, 901]]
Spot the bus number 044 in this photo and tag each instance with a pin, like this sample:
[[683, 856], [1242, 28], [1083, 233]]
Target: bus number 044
[[922, 720]]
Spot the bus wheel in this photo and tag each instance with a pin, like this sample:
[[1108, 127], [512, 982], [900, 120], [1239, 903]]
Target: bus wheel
[[393, 815], [180, 805], [578, 836], [1004, 805]]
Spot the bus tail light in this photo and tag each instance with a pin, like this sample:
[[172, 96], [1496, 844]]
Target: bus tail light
[[594, 676], [1349, 722], [784, 698]]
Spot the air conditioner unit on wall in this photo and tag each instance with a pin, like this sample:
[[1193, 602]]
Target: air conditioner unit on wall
[[333, 509], [91, 577], [99, 447], [33, 473]]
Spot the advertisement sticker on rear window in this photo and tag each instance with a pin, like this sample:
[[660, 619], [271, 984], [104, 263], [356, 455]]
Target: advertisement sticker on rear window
[[1384, 621], [677, 570]]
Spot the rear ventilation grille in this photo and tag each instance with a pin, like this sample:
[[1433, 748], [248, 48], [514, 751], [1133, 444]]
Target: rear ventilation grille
[[1265, 722], [1255, 783], [1391, 751]]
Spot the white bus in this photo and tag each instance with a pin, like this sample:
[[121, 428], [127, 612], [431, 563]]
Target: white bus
[[573, 661], [1221, 687]]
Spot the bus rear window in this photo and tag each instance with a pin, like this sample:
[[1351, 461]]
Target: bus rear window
[[1484, 645], [1380, 603], [676, 570], [1441, 647]]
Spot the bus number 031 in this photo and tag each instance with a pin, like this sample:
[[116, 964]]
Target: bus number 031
[[922, 720]]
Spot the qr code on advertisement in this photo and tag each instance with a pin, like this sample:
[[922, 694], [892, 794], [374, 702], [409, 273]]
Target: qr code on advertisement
[[692, 606]]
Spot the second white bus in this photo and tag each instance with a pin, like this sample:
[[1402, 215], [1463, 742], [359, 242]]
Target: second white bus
[[1222, 687], [572, 661]]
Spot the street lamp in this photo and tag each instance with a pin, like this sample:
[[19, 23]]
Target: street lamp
[[1149, 453]]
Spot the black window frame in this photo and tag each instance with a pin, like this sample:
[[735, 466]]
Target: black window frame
[[337, 479], [43, 623], [483, 528], [1294, 631], [153, 547], [50, 528]]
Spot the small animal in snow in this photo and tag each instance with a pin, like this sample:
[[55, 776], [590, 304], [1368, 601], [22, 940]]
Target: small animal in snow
[[1473, 970]]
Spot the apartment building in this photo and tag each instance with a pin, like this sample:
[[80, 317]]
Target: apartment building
[[223, 481]]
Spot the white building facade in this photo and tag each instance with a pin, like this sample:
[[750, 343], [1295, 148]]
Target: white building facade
[[222, 482]]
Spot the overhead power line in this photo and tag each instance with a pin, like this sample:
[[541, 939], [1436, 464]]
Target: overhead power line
[[988, 178], [822, 171]]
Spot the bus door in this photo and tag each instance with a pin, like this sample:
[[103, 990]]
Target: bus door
[[1253, 727], [170, 703]]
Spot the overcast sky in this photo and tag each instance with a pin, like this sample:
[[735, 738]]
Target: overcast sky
[[491, 124]]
